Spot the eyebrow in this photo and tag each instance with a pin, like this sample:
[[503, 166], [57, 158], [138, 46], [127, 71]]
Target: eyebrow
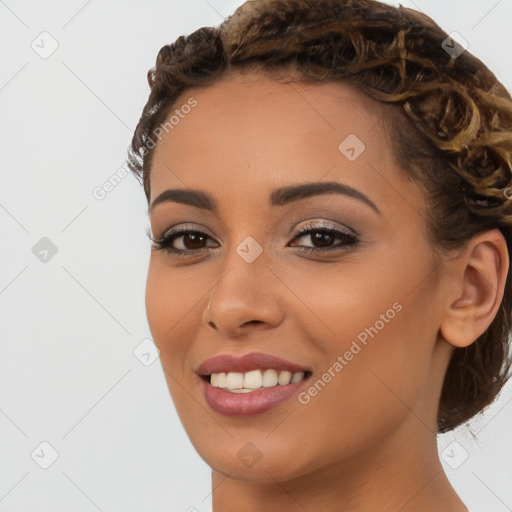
[[279, 197]]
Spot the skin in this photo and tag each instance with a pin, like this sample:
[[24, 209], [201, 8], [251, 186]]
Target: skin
[[367, 440]]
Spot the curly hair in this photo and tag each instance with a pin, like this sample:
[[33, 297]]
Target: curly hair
[[452, 132]]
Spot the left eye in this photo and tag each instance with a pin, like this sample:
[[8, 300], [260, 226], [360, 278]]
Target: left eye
[[325, 237], [192, 241]]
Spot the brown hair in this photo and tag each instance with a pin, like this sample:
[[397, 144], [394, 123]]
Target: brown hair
[[453, 131]]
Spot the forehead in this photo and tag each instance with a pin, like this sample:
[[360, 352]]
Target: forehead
[[252, 134]]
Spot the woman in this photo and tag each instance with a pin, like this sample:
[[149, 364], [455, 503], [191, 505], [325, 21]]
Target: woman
[[328, 186]]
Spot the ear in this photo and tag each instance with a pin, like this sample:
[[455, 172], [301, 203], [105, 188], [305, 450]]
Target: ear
[[476, 290]]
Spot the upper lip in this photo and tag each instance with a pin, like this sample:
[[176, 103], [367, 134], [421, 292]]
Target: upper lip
[[225, 363]]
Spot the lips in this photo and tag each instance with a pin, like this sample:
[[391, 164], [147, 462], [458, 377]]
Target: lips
[[249, 404], [256, 360]]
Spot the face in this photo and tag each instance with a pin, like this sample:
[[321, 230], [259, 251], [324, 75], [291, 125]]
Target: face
[[340, 283]]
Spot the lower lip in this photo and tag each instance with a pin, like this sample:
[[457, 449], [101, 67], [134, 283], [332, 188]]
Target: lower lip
[[248, 404]]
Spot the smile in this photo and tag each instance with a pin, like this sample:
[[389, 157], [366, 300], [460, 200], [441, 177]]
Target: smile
[[249, 382]]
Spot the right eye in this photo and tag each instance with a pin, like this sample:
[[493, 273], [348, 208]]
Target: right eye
[[192, 242]]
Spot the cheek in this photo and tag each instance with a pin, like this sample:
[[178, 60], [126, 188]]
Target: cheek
[[170, 304], [165, 297], [365, 391], [172, 319], [159, 303], [376, 339]]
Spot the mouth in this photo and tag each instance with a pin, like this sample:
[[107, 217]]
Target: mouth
[[254, 380], [251, 384]]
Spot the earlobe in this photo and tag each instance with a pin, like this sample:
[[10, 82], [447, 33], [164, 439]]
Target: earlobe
[[479, 278]]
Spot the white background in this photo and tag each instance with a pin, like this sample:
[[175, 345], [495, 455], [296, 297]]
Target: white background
[[68, 375]]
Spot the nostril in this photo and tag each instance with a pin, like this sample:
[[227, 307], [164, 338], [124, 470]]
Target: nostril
[[253, 322]]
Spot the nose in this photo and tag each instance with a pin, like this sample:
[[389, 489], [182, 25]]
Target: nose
[[246, 297]]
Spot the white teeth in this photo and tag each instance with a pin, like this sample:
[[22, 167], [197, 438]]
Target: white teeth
[[284, 378], [255, 379], [221, 380], [235, 380], [270, 378], [297, 376]]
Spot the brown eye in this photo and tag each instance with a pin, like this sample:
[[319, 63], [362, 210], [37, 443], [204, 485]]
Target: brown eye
[[182, 242], [323, 237]]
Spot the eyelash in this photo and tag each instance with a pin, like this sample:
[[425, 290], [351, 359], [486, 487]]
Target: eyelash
[[164, 243]]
